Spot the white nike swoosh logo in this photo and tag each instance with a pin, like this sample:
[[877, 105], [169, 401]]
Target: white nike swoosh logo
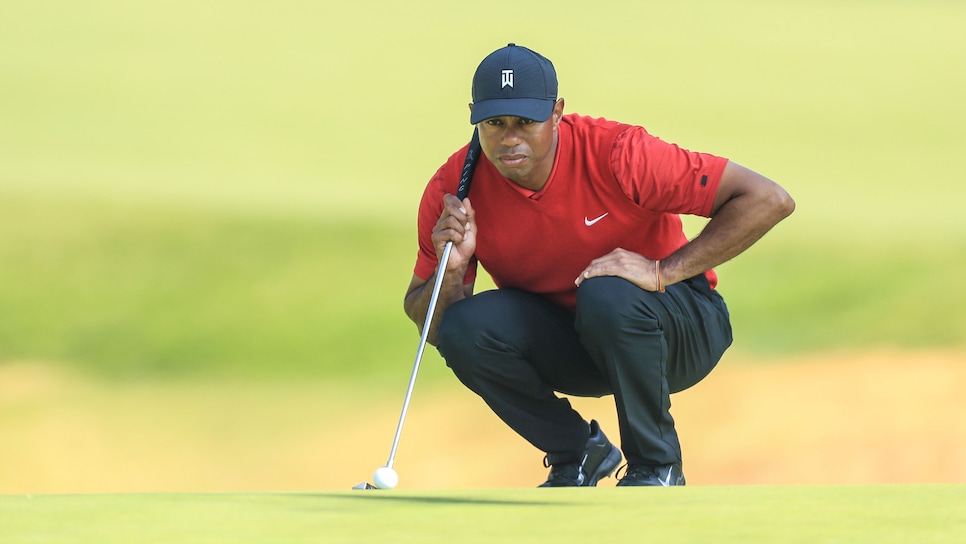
[[590, 222], [667, 481]]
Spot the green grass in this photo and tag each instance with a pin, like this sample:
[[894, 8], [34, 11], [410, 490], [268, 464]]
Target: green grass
[[800, 296], [148, 291], [875, 514]]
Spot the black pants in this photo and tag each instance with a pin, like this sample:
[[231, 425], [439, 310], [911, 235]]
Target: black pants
[[516, 350]]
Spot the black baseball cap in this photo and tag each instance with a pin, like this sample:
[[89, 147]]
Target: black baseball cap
[[514, 80]]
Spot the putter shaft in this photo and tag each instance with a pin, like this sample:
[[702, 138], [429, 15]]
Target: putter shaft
[[419, 351]]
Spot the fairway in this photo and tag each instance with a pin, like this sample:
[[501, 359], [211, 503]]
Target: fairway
[[724, 515]]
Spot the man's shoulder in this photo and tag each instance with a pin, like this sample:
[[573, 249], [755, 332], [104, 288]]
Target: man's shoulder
[[585, 127], [596, 133], [587, 122]]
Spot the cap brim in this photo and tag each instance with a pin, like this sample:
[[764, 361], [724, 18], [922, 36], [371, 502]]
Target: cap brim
[[536, 109]]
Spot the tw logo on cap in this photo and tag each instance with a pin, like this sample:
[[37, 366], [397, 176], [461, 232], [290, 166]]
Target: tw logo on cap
[[506, 79]]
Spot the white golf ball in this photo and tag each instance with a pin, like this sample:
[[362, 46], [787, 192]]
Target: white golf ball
[[385, 478]]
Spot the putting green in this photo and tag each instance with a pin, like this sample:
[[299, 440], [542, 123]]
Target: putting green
[[789, 514]]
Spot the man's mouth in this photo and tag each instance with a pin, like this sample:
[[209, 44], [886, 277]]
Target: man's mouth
[[512, 161]]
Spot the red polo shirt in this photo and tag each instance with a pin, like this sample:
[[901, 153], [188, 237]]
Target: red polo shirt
[[612, 185]]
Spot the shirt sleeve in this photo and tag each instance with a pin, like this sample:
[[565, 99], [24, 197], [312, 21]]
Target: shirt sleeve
[[664, 177]]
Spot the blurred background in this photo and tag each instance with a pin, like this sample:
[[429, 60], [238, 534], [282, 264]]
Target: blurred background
[[207, 225]]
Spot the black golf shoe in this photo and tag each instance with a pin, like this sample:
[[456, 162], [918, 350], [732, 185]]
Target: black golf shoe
[[599, 460], [644, 475]]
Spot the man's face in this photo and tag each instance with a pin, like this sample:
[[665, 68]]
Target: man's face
[[522, 149]]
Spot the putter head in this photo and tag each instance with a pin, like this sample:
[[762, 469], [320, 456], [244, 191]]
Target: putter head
[[364, 485]]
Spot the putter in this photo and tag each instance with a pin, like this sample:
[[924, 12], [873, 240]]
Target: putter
[[466, 176]]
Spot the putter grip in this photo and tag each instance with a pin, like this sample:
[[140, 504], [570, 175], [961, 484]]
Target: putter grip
[[469, 164]]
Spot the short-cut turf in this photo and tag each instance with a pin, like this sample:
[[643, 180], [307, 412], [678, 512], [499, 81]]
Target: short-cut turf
[[879, 514]]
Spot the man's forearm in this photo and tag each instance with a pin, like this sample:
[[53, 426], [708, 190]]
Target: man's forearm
[[417, 301], [736, 226]]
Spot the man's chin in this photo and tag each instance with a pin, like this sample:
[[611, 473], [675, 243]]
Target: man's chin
[[513, 174]]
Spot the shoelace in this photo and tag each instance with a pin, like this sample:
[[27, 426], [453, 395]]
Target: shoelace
[[566, 471], [635, 471]]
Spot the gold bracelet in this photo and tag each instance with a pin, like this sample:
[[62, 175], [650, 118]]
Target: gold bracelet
[[657, 265]]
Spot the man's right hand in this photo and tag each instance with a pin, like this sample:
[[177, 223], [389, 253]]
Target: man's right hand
[[456, 224]]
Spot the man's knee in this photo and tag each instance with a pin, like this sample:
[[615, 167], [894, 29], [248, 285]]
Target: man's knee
[[456, 333]]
